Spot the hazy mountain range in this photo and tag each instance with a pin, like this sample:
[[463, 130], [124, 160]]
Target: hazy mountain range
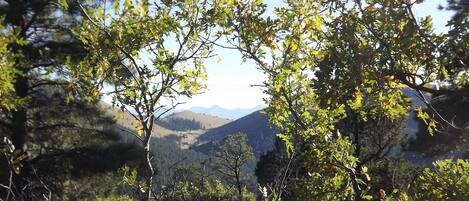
[[218, 111]]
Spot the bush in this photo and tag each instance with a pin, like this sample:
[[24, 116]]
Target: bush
[[447, 180]]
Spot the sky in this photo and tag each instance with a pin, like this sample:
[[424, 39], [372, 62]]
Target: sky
[[229, 81]]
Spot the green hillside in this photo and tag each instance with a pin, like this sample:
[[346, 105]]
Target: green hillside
[[187, 120], [260, 135], [169, 146]]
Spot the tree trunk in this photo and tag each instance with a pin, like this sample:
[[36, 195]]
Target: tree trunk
[[238, 185], [357, 131], [19, 129], [148, 156], [19, 118]]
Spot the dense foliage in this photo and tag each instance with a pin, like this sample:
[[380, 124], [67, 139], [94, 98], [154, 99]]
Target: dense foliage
[[336, 67]]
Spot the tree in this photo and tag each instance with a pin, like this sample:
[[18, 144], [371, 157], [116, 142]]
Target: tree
[[230, 157], [76, 161], [35, 44], [150, 54], [344, 62]]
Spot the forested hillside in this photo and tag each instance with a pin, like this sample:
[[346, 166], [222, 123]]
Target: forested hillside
[[187, 120], [259, 132]]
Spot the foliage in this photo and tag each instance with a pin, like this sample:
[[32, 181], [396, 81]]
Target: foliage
[[336, 73], [348, 61], [275, 172], [116, 198], [260, 134], [128, 50], [13, 158], [231, 155], [211, 191], [192, 183], [8, 100], [447, 180], [35, 42], [77, 158], [394, 176]]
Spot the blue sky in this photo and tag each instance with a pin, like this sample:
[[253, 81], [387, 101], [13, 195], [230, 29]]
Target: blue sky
[[229, 81]]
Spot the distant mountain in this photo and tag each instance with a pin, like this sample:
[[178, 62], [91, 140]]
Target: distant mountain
[[188, 120], [218, 111], [260, 135]]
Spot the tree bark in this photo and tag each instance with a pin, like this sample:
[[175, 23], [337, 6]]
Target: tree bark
[[148, 157], [238, 185], [19, 130], [18, 117], [357, 131]]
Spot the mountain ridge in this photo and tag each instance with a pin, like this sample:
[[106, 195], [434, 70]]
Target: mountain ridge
[[197, 121], [218, 111], [260, 135]]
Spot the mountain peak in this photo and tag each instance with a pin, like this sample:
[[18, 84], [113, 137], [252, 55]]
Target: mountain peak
[[215, 107]]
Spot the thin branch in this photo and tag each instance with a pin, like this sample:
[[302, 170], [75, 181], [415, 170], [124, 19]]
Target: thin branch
[[46, 82], [128, 55], [434, 110], [298, 120]]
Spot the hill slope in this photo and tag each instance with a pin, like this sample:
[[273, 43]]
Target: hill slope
[[188, 120], [260, 135], [169, 146]]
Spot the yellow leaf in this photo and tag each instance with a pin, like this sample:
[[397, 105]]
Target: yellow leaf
[[143, 10], [232, 2], [139, 128], [294, 46], [139, 132], [64, 3], [364, 169]]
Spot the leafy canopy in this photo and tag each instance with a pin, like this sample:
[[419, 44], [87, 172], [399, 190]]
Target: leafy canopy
[[335, 60]]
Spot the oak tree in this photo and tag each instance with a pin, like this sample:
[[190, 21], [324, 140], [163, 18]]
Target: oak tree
[[146, 56], [338, 62]]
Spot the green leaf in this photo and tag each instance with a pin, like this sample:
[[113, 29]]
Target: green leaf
[[128, 3], [64, 4], [367, 197]]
